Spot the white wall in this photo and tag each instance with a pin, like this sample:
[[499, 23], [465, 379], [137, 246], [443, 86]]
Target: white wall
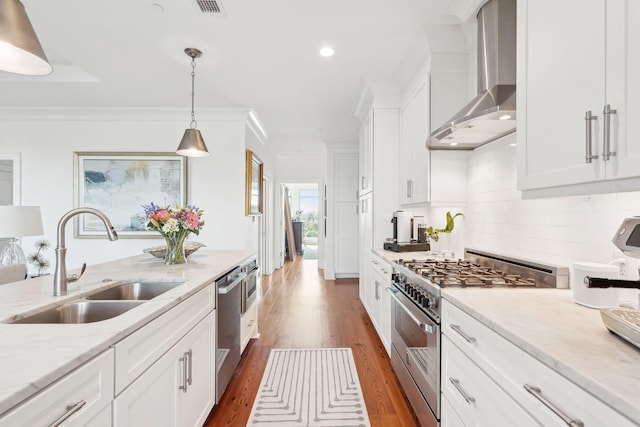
[[47, 142], [558, 230]]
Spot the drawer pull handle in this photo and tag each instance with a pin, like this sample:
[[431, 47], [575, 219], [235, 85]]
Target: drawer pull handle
[[456, 384], [189, 354], [185, 373], [71, 409], [537, 393], [466, 337]]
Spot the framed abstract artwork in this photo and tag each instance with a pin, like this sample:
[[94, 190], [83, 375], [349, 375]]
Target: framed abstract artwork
[[118, 184]]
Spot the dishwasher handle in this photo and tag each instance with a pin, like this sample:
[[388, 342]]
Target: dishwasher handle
[[223, 290]]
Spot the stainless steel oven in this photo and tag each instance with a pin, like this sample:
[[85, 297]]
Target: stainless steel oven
[[249, 290], [416, 289], [415, 356]]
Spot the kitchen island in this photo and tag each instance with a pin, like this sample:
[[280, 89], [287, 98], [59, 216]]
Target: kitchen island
[[33, 356]]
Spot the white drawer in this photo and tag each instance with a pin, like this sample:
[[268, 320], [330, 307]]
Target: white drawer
[[91, 383], [138, 351], [249, 325], [478, 400], [448, 416], [513, 369], [381, 266]]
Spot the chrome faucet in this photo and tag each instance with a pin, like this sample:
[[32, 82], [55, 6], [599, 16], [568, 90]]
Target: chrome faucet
[[60, 279]]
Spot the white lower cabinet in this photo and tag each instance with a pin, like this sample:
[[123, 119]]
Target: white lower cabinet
[[379, 278], [477, 400], [509, 381], [448, 416], [82, 397], [178, 389]]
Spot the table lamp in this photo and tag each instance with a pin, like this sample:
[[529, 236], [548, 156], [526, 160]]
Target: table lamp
[[18, 221]]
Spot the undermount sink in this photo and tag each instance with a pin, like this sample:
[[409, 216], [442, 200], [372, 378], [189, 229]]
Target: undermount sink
[[81, 312], [138, 290]]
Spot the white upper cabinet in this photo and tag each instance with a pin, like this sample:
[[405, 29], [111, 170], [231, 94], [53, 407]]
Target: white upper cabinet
[[577, 60], [414, 157], [365, 183]]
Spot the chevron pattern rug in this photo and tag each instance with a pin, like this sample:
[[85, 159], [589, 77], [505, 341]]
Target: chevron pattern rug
[[310, 387]]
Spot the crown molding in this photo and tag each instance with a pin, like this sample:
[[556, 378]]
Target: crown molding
[[126, 114]]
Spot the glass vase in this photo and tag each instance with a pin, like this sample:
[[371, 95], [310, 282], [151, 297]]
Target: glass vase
[[175, 249]]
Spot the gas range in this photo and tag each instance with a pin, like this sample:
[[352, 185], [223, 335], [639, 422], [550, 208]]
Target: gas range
[[423, 279]]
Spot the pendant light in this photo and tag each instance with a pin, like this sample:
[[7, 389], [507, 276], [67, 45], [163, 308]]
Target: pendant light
[[192, 144], [20, 50]]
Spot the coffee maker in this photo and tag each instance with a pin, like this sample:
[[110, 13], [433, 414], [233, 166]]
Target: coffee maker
[[402, 226], [403, 241]]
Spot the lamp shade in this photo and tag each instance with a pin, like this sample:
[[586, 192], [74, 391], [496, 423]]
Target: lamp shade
[[20, 221], [20, 49], [192, 144]]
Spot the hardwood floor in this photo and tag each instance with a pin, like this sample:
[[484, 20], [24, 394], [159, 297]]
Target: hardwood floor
[[299, 309]]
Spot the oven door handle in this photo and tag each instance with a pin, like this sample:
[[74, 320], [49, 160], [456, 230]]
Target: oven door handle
[[425, 327]]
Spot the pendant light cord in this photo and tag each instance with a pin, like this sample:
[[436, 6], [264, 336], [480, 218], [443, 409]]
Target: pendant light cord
[[194, 124]]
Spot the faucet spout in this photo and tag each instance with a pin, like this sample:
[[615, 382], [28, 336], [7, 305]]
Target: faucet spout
[[60, 278]]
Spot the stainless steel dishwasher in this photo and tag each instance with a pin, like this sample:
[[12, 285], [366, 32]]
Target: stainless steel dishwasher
[[228, 324]]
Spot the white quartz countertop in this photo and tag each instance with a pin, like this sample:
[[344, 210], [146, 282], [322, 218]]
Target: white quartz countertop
[[32, 356], [569, 338]]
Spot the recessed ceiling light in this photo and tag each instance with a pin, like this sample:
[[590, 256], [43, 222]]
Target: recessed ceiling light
[[453, 144], [326, 51], [505, 117], [513, 144]]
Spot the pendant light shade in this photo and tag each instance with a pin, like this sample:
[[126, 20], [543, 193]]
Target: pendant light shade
[[192, 144], [20, 50]]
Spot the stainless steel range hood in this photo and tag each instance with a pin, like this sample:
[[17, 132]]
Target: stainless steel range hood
[[491, 114]]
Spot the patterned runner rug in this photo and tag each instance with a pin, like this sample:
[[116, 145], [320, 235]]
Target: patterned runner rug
[[310, 387]]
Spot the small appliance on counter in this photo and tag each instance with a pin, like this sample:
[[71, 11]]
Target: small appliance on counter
[[594, 297], [403, 229], [622, 321]]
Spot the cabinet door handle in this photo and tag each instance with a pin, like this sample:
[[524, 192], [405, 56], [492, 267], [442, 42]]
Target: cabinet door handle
[[377, 294], [189, 354], [408, 188], [537, 393], [183, 359], [71, 409], [467, 338], [606, 145], [364, 181], [465, 396], [411, 188], [588, 118]]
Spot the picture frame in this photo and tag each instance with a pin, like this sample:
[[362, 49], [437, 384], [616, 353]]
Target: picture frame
[[253, 191], [119, 183]]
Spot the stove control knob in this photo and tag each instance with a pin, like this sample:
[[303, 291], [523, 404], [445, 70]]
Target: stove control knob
[[432, 302]]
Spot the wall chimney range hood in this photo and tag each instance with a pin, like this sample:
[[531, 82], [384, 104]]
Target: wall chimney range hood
[[492, 113]]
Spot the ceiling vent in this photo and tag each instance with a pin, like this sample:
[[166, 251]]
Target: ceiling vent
[[209, 6]]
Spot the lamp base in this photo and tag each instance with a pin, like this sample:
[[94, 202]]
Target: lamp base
[[12, 254]]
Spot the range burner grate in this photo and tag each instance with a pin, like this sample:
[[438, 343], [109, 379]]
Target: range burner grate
[[462, 273]]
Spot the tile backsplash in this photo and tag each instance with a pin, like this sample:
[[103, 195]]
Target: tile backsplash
[[555, 230]]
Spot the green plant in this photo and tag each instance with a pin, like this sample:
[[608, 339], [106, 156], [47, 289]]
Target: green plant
[[432, 233]]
